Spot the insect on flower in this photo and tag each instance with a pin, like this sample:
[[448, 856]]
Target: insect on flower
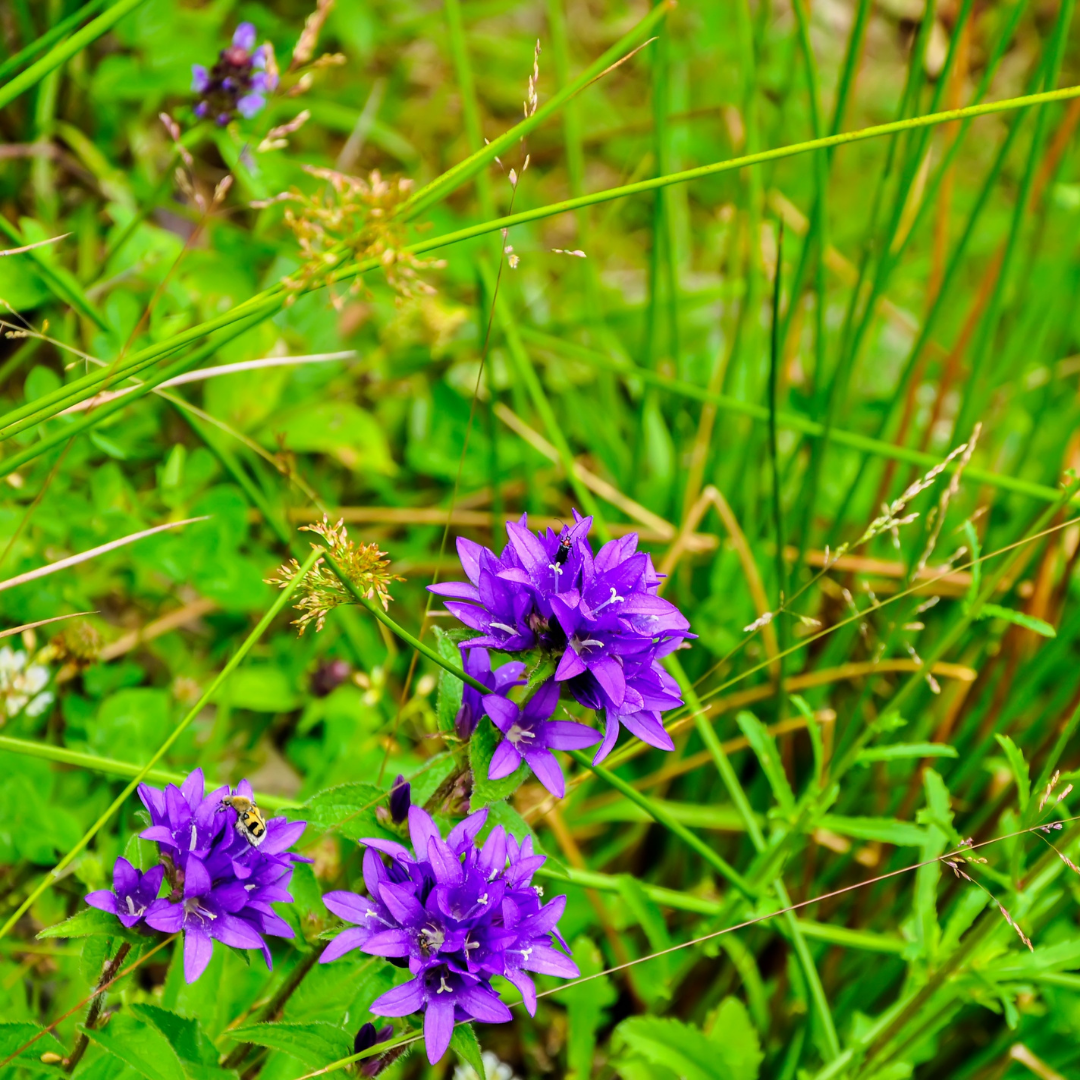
[[250, 823]]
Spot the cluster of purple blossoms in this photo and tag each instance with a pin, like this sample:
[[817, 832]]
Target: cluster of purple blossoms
[[598, 615], [221, 887], [238, 82], [457, 913]]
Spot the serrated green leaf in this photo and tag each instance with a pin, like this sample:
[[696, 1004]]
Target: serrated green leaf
[[481, 750], [683, 1049], [450, 687], [764, 747], [1019, 768], [464, 1043], [348, 809], [183, 1032], [315, 1043], [91, 922], [140, 1046], [14, 1035], [899, 751], [1017, 618], [736, 1039]]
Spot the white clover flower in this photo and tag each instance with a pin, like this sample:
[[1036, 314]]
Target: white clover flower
[[22, 684]]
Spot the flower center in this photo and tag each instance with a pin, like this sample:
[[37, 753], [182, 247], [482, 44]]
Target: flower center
[[132, 909], [517, 733], [194, 908], [433, 937], [585, 643], [443, 988], [502, 626], [194, 836], [614, 598]]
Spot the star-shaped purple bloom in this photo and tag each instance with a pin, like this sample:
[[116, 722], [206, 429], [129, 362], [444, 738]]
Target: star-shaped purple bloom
[[207, 913], [457, 914], [477, 663], [132, 893], [530, 735]]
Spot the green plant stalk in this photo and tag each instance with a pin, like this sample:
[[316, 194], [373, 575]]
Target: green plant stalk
[[391, 625], [65, 50], [181, 727], [683, 901], [48, 405], [662, 817], [454, 177], [8, 465], [13, 63], [109, 766], [63, 286], [271, 300], [791, 421], [742, 804], [951, 635], [973, 401]]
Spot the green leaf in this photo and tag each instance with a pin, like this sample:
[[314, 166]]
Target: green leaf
[[464, 1043], [1019, 768], [736, 1039], [898, 751], [347, 808], [764, 746], [261, 688], [481, 749], [653, 984], [91, 922], [585, 1004], [14, 1035], [884, 830], [140, 1046], [1018, 618], [451, 688], [315, 1044], [683, 1049], [183, 1032], [813, 729]]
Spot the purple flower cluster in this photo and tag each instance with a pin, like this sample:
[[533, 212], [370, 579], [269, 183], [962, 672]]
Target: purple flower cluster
[[221, 888], [238, 82], [457, 913], [598, 615]]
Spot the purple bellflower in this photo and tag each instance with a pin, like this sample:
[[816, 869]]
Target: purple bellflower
[[598, 616], [457, 913], [477, 663], [238, 82], [530, 735], [132, 893], [221, 888]]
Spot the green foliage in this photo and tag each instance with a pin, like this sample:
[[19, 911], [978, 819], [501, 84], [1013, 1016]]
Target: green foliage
[[464, 1043], [927, 281], [314, 1043], [481, 748]]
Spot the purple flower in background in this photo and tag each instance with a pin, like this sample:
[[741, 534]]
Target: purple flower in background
[[530, 735], [221, 887], [367, 1037], [238, 82], [132, 892], [599, 616], [477, 663], [457, 913]]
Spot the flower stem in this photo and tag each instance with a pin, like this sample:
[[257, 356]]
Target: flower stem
[[107, 973], [401, 632], [662, 817], [273, 1007]]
